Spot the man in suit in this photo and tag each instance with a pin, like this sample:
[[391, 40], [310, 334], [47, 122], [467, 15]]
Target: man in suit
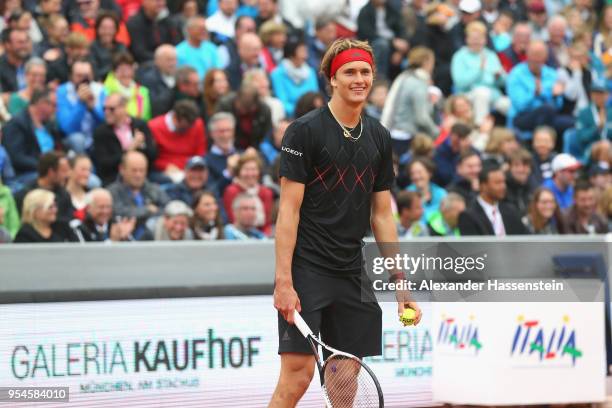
[[488, 215]]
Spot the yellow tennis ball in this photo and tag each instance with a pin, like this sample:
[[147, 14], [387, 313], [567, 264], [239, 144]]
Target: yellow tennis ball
[[408, 317]]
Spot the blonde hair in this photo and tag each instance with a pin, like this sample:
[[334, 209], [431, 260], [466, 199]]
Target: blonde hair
[[35, 200], [499, 136], [337, 47], [418, 56], [476, 27], [268, 29]]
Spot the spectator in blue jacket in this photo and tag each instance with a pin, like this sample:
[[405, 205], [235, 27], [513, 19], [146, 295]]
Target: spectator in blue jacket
[[222, 126], [197, 50], [594, 122], [564, 167], [293, 77], [535, 93], [80, 106]]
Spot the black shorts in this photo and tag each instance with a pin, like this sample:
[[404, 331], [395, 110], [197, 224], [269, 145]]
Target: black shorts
[[333, 307]]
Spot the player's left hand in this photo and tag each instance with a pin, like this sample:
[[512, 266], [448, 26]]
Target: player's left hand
[[404, 301]]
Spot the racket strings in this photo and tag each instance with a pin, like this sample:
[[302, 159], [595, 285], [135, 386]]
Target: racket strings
[[348, 384]]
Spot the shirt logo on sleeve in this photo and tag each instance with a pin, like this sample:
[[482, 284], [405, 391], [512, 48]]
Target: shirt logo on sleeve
[[291, 151]]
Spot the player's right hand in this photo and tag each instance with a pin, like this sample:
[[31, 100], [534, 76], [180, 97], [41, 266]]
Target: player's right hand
[[286, 301]]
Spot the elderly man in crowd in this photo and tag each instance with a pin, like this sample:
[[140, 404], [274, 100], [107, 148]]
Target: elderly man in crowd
[[133, 195], [173, 225], [98, 225], [245, 208]]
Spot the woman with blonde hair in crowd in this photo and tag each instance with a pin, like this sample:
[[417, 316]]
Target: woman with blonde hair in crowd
[[478, 73], [247, 179], [206, 222], [39, 216], [605, 206], [501, 145], [216, 86], [274, 38], [544, 216]]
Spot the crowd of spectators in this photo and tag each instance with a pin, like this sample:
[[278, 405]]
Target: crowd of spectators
[[132, 120]]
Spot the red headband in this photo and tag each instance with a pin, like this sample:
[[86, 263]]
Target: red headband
[[350, 55]]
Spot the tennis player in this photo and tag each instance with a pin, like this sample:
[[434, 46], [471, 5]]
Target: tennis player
[[336, 174]]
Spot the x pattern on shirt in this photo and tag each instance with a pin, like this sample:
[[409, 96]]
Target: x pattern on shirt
[[342, 175]]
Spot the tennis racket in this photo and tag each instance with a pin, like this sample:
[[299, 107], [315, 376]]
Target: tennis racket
[[345, 380]]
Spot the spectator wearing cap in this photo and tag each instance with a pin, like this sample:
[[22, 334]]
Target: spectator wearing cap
[[564, 167], [29, 134], [520, 185], [173, 225], [408, 109], [17, 49], [196, 179], [121, 80], [179, 135], [477, 72], [469, 11], [543, 147], [247, 179], [582, 217], [380, 23], [133, 195], [249, 57], [222, 23], [517, 51], [293, 77], [253, 116], [98, 225], [325, 34], [80, 106], [53, 173], [489, 214], [274, 38], [536, 93], [594, 123], [159, 77], [465, 183], [106, 43], [410, 212], [543, 215], [447, 153], [444, 222], [197, 50], [118, 134], [223, 154], [536, 13], [245, 207], [149, 29]]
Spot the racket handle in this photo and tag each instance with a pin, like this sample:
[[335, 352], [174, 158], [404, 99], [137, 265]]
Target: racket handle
[[301, 324]]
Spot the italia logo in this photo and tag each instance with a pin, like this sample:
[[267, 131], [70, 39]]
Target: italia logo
[[458, 335], [533, 340]]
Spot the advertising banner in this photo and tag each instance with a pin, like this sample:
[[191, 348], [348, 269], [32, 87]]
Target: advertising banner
[[190, 352]]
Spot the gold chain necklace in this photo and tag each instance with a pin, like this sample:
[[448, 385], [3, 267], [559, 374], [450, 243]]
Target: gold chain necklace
[[346, 132]]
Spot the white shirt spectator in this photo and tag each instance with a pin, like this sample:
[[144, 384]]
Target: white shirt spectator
[[221, 24]]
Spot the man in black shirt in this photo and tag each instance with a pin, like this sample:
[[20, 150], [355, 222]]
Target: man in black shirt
[[336, 174]]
